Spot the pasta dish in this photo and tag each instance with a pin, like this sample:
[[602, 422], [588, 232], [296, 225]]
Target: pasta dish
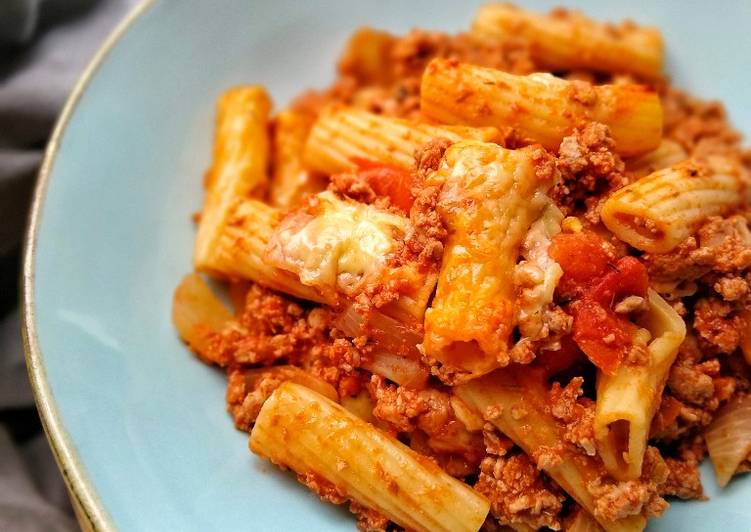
[[493, 280]]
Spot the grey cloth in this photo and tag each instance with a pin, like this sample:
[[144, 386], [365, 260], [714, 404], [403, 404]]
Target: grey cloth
[[44, 47]]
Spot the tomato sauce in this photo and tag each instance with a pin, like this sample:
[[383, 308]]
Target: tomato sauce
[[597, 282]]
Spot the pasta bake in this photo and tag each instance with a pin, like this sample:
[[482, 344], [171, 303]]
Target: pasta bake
[[493, 280]]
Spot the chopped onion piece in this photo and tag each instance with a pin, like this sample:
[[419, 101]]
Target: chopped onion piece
[[198, 314], [403, 371], [729, 438], [386, 333], [395, 355]]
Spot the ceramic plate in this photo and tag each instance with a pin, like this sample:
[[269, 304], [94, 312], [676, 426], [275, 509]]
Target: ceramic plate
[[139, 425]]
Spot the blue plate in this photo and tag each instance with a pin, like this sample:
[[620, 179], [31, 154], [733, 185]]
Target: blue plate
[[138, 424]]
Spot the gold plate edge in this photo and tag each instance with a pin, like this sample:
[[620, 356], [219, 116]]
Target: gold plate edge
[[65, 454]]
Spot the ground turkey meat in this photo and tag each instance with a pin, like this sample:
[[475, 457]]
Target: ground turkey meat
[[244, 402], [407, 409], [713, 268], [518, 492], [589, 169], [271, 327], [721, 246], [718, 325], [695, 389], [684, 480], [575, 412], [428, 156], [616, 500]]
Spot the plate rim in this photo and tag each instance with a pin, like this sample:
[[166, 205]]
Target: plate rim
[[86, 503]]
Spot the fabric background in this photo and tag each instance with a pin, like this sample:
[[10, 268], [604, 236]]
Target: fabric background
[[44, 47]]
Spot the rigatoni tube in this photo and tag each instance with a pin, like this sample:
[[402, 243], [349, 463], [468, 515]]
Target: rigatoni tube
[[290, 180], [568, 40], [539, 107], [241, 155], [302, 430], [367, 56], [627, 400], [342, 135], [489, 198], [659, 211], [240, 246]]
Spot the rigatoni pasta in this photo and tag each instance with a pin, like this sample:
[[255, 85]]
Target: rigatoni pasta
[[469, 324], [342, 136], [291, 180], [317, 438], [567, 40], [366, 55], [197, 313], [540, 107], [241, 244], [478, 282], [627, 401], [660, 210], [241, 154]]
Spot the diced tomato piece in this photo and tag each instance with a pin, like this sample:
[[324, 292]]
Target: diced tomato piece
[[389, 181], [593, 277], [605, 337], [627, 278], [583, 258], [557, 361]]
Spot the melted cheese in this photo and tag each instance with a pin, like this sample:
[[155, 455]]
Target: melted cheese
[[538, 274], [339, 245]]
